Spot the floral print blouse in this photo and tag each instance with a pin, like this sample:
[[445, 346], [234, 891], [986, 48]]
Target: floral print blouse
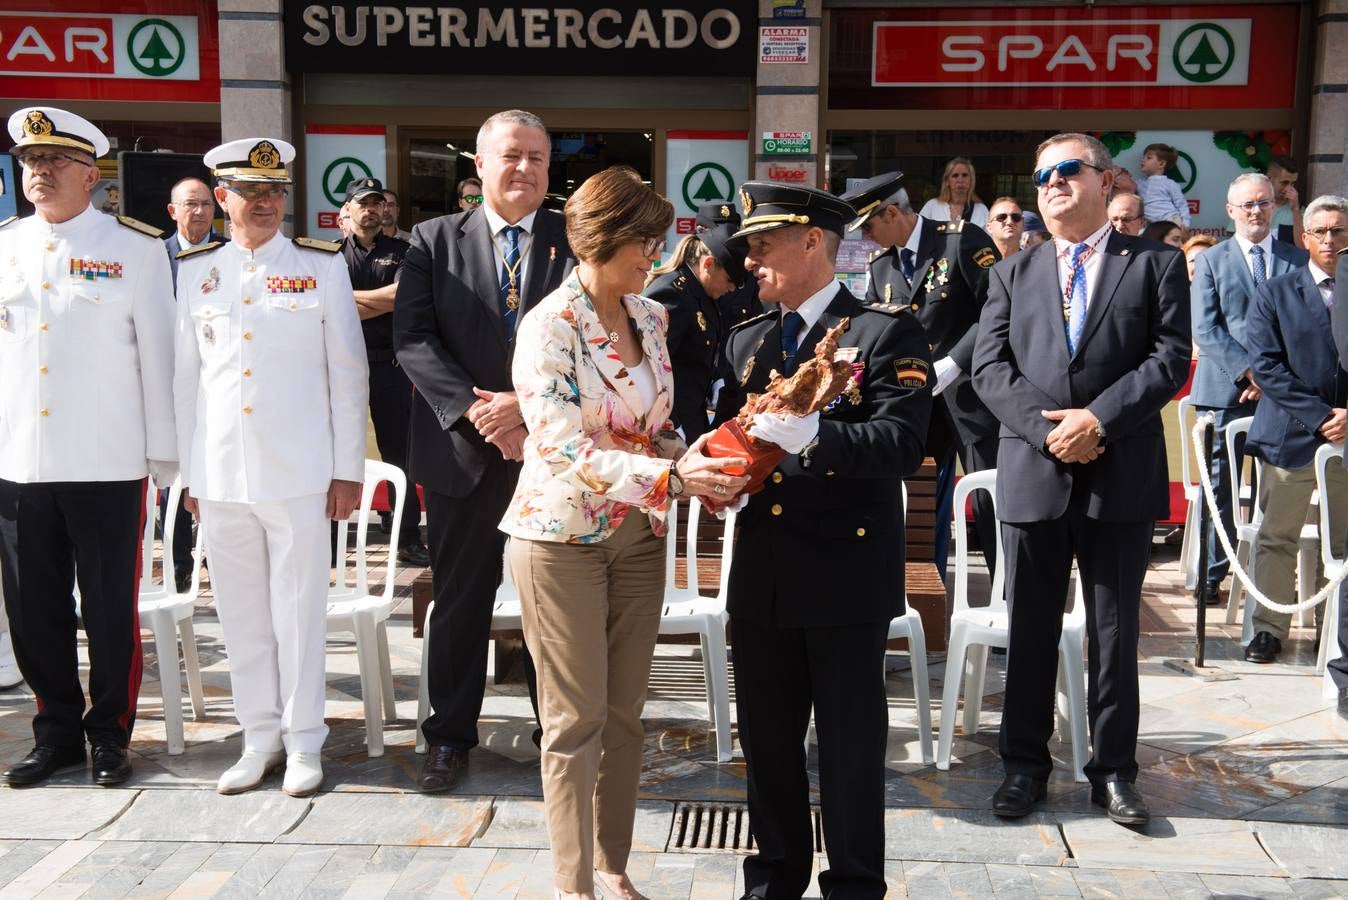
[[593, 453]]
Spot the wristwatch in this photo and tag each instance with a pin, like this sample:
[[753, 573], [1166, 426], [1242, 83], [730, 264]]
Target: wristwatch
[[675, 482], [1099, 429]]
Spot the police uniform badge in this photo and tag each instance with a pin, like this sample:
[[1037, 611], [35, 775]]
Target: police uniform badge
[[984, 257], [911, 372], [212, 281], [701, 320], [725, 210]]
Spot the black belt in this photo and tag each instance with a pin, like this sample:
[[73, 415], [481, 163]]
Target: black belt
[[381, 356]]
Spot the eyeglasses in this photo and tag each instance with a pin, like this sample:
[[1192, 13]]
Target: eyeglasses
[[1124, 220], [51, 160], [1066, 169], [654, 246], [1319, 234], [1252, 205], [474, 199], [193, 205], [251, 194], [1003, 217]]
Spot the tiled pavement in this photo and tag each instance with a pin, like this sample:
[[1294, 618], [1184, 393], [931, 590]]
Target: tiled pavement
[[1247, 777]]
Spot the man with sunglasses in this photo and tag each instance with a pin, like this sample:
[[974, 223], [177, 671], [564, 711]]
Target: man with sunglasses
[[1006, 223], [271, 398], [86, 361], [1225, 279], [1083, 340], [470, 194], [939, 270]]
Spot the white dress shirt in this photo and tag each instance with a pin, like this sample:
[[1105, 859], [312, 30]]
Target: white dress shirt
[[1320, 276], [498, 226], [1096, 240], [86, 351], [1267, 245], [812, 308]]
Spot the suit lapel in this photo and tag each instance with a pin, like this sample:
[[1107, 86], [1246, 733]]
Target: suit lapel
[[926, 255], [1281, 264], [479, 261], [1113, 262], [1047, 280], [1242, 266], [542, 261], [1315, 304]]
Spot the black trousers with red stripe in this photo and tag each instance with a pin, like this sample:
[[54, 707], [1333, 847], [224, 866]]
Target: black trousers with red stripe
[[50, 534]]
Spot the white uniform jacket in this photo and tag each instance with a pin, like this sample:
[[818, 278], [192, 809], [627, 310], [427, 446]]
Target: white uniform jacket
[[86, 351], [271, 384]]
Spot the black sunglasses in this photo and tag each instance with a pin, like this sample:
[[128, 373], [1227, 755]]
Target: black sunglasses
[[1067, 168], [1002, 217]]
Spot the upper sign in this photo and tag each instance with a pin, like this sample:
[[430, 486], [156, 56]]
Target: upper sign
[[689, 37], [1037, 57], [158, 55]]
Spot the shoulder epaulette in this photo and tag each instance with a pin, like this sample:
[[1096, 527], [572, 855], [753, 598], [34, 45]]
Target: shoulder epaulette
[[202, 248], [142, 227], [758, 318], [892, 309], [680, 282], [8, 221], [318, 244]]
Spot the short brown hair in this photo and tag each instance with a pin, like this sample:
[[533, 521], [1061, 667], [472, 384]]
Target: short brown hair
[[1164, 152], [1096, 151], [614, 208], [1199, 240]]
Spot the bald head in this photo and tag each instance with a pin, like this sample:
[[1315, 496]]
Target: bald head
[[192, 207]]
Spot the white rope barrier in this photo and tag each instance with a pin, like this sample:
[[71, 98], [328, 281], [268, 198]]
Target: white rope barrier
[[1208, 420]]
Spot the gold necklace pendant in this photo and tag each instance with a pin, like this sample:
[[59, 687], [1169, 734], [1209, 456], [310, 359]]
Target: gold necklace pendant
[[512, 295], [613, 336]]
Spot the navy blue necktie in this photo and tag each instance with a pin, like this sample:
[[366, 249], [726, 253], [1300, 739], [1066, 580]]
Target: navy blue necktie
[[512, 260], [791, 325], [906, 262], [1257, 270]]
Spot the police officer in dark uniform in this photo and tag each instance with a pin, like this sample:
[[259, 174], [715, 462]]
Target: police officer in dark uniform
[[705, 267], [374, 259], [818, 571], [742, 303], [939, 270]]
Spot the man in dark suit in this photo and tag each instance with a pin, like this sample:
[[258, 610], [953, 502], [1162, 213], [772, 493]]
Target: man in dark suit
[[465, 280], [1292, 357], [819, 563], [940, 271], [1225, 279], [1083, 340], [192, 208]]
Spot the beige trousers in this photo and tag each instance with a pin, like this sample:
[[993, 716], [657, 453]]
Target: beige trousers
[[1285, 497], [591, 617]]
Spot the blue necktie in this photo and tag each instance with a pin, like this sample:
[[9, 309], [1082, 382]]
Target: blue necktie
[[512, 258], [791, 325], [1260, 273], [906, 263], [1076, 316]]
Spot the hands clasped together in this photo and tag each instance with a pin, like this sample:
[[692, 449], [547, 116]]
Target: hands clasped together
[[1074, 439], [496, 416]]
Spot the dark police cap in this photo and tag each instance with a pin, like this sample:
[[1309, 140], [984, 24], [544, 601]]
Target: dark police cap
[[363, 187], [768, 206], [871, 194], [728, 250], [721, 212]]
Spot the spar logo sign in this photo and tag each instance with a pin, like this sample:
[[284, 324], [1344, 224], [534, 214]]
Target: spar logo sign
[[156, 47], [1062, 52], [705, 182], [93, 45], [340, 173]]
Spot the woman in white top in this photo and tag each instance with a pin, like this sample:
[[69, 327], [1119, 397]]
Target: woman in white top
[[957, 199]]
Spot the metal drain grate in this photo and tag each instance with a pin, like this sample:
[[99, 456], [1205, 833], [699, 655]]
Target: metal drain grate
[[711, 827]]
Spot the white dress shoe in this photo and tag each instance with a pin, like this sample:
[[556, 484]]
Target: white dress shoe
[[9, 667], [249, 771], [304, 773]]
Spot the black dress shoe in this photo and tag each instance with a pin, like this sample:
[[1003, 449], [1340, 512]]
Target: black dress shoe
[[443, 769], [1018, 795], [414, 555], [42, 763], [1216, 597], [1264, 649], [111, 764], [1122, 801]]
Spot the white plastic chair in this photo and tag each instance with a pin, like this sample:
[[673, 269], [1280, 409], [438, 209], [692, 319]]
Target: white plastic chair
[[1329, 629], [974, 630], [1193, 495], [168, 615], [909, 626], [352, 609]]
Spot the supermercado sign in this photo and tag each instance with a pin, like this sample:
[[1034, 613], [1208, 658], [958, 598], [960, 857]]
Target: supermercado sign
[[1044, 57], [162, 54], [705, 37]]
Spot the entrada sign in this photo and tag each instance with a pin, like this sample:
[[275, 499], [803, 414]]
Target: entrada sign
[[709, 36], [1058, 52]]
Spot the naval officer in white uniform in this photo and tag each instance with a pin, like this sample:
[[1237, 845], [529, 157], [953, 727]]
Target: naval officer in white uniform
[[271, 395], [86, 367]]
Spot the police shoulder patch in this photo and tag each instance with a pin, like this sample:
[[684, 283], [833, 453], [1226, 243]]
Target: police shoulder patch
[[758, 318], [203, 248], [984, 257], [8, 221], [137, 225], [891, 309], [317, 244], [911, 371]]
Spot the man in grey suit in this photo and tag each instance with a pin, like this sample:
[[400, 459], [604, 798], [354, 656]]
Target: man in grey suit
[[1082, 341], [1225, 279]]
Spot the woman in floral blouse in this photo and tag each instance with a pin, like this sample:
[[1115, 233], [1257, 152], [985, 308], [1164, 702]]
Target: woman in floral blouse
[[601, 464]]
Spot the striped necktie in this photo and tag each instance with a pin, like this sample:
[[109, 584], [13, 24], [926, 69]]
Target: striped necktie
[[1076, 318], [512, 260]]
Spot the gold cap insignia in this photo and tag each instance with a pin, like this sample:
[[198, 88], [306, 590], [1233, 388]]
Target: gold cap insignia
[[747, 201], [264, 156], [37, 124], [725, 211]]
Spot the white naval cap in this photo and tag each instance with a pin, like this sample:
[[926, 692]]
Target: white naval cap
[[252, 159], [47, 126]]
